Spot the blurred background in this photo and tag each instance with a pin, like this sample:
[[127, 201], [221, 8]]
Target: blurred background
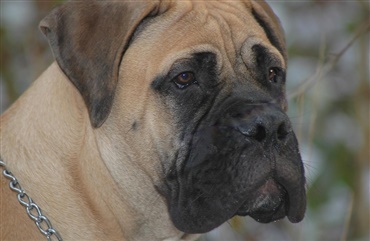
[[328, 89]]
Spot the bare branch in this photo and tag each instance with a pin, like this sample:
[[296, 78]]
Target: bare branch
[[328, 66]]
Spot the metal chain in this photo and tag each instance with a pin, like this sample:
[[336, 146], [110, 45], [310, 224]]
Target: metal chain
[[33, 210]]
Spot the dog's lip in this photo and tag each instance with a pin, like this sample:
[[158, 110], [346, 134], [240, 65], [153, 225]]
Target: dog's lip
[[293, 206], [273, 202], [267, 200], [266, 217], [297, 205]]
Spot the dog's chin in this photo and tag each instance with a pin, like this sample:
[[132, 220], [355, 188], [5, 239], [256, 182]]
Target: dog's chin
[[268, 203]]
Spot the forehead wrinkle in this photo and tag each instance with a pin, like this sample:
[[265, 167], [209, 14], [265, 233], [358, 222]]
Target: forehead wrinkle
[[222, 27], [228, 18]]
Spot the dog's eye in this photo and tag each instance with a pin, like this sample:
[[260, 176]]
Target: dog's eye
[[184, 79], [274, 74]]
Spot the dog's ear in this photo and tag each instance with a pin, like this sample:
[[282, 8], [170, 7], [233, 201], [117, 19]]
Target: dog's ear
[[267, 19], [88, 40]]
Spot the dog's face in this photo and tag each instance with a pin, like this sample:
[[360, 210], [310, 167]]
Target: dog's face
[[204, 84]]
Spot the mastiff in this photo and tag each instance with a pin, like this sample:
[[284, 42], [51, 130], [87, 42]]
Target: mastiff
[[159, 120]]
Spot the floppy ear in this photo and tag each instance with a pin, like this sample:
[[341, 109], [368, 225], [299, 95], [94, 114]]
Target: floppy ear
[[264, 15], [88, 40]]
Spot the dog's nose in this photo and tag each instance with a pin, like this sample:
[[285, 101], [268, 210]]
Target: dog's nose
[[263, 122]]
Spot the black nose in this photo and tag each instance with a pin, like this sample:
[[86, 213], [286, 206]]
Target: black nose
[[262, 122]]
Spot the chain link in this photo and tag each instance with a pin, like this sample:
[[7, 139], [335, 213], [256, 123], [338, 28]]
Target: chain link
[[33, 210]]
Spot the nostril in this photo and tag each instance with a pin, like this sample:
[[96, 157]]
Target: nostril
[[257, 132], [260, 134], [282, 132]]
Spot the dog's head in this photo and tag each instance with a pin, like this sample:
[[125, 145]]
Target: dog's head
[[198, 86]]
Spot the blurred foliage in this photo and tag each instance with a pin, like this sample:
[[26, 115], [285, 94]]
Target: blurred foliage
[[331, 117]]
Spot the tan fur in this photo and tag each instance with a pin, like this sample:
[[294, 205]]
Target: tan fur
[[98, 184]]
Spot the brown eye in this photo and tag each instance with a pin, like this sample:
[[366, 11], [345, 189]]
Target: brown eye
[[184, 79], [274, 74]]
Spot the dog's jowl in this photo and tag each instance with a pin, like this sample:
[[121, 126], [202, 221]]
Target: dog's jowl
[[158, 120]]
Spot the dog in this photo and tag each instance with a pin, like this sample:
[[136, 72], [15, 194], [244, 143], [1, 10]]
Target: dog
[[159, 120]]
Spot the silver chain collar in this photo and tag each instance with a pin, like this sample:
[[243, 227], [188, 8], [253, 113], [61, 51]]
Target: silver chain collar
[[33, 210]]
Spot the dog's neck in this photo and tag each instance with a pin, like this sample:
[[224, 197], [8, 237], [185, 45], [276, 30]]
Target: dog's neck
[[48, 135]]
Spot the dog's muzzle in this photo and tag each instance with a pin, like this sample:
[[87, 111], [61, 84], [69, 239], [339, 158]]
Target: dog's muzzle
[[247, 162], [268, 127]]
